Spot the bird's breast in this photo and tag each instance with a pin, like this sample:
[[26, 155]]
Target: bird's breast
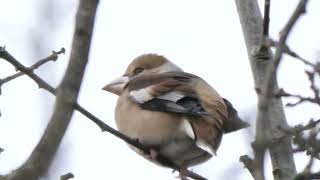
[[150, 127], [164, 131]]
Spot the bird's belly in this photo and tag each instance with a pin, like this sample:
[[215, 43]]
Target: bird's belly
[[163, 132], [184, 152], [149, 127]]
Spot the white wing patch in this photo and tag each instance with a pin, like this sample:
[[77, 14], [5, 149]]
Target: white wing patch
[[201, 144], [140, 95], [186, 126], [173, 96]]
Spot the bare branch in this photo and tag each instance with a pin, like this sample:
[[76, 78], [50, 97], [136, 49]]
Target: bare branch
[[266, 18], [67, 176], [313, 149], [270, 42], [299, 128], [265, 103], [52, 57], [315, 99], [269, 84], [271, 75], [9, 58], [309, 144], [270, 110], [66, 95], [300, 98], [306, 175], [250, 165], [314, 88]]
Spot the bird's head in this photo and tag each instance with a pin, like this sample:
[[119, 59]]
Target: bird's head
[[141, 65]]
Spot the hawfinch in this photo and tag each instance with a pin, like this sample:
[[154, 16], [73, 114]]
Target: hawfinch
[[177, 114]]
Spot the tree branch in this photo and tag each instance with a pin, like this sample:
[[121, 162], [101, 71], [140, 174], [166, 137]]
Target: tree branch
[[315, 90], [270, 110], [66, 95], [250, 165], [270, 42], [52, 57], [266, 18], [312, 148], [67, 176], [41, 83], [299, 128]]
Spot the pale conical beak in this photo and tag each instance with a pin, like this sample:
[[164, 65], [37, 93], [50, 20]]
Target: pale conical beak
[[117, 86]]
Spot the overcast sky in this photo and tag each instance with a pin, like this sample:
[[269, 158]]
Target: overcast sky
[[203, 37]]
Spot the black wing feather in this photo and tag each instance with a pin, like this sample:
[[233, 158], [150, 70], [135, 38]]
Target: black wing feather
[[186, 105], [192, 107]]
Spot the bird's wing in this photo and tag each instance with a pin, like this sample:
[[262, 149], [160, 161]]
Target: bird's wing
[[190, 96], [167, 92], [177, 92]]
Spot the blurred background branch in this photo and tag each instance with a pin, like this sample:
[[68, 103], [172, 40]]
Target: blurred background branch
[[67, 92], [67, 176]]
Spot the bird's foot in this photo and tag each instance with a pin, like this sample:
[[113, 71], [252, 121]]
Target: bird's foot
[[152, 154], [184, 173]]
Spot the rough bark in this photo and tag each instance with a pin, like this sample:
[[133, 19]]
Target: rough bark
[[271, 117]]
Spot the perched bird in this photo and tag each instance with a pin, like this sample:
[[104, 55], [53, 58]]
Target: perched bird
[[177, 114]]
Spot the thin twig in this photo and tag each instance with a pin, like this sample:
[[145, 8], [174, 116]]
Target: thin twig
[[308, 144], [300, 98], [249, 164], [268, 87], [266, 18], [306, 174], [104, 127], [299, 128], [314, 88], [315, 99], [67, 176], [52, 57], [4, 54], [270, 42]]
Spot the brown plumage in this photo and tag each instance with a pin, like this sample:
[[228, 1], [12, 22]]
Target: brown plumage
[[176, 113]]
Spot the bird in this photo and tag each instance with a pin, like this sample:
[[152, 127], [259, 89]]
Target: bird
[[174, 113]]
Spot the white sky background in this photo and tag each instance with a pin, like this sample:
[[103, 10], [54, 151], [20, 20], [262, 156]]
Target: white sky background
[[203, 37]]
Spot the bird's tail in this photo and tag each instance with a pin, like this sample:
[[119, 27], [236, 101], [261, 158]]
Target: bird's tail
[[233, 122]]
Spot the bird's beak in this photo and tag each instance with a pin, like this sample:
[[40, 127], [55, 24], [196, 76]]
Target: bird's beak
[[117, 86]]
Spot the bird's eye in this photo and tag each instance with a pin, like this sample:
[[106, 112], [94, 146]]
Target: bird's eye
[[138, 70]]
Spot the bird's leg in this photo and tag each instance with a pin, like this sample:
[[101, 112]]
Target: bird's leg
[[153, 154], [184, 173]]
